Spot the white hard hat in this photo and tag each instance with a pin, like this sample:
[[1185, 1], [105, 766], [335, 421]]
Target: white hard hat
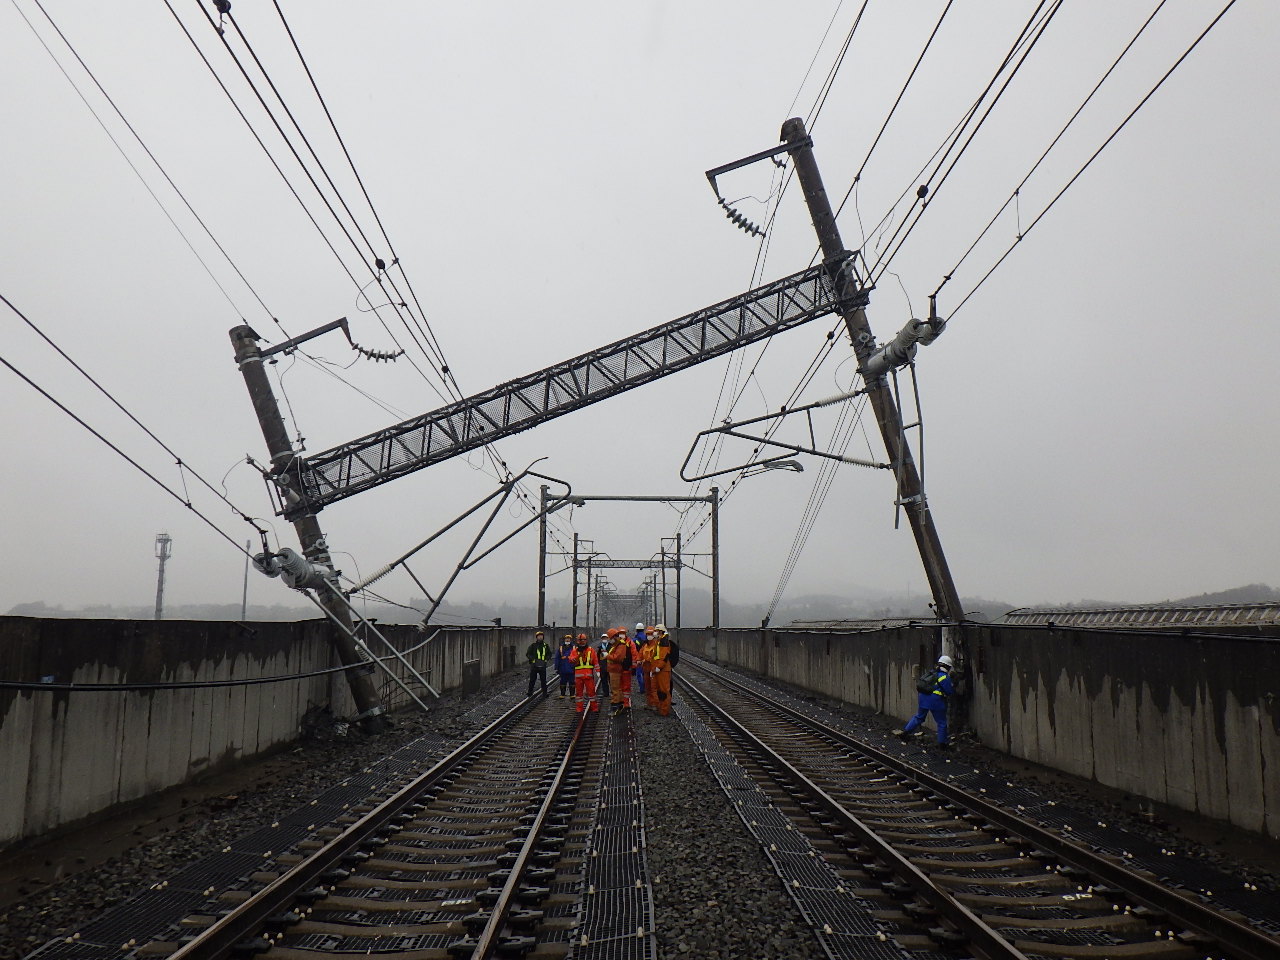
[[639, 626], [661, 628], [945, 660]]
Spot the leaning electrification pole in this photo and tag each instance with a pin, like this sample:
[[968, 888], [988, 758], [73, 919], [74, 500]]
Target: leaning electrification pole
[[910, 491], [310, 536]]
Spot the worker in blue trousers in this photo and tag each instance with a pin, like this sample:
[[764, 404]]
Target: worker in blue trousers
[[932, 691]]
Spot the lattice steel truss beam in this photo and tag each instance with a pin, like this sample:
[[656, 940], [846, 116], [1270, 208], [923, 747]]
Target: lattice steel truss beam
[[309, 484], [597, 563]]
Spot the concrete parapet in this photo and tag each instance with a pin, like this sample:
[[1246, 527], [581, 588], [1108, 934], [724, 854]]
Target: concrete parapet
[[1191, 720], [69, 755]]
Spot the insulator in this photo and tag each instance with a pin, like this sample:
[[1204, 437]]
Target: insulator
[[267, 563], [299, 572], [377, 355]]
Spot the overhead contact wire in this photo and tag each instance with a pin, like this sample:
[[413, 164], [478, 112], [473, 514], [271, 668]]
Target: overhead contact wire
[[1097, 153], [128, 459]]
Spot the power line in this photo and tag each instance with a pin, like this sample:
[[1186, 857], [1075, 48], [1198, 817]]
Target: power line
[[1096, 153], [185, 501], [150, 155], [929, 189], [1013, 197]]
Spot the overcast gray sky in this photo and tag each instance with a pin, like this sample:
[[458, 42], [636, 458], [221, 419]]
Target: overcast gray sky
[[1098, 416]]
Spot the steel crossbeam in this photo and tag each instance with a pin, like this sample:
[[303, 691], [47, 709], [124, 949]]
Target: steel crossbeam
[[309, 484]]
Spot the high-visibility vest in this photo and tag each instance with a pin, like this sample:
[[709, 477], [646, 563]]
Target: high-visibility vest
[[584, 658]]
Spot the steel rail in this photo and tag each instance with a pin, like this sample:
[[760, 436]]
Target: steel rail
[[981, 937], [242, 922], [487, 941], [1240, 939]]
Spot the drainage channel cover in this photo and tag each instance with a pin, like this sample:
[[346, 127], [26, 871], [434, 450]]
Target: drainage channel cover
[[844, 946], [332, 943], [619, 912], [843, 912], [139, 919]]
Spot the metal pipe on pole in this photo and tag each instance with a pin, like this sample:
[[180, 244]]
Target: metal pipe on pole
[[573, 615], [662, 549], [715, 574], [542, 554], [311, 538], [888, 417], [679, 577], [244, 594]]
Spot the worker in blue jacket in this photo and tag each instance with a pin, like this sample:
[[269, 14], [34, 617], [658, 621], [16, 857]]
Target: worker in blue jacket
[[932, 691], [562, 660]]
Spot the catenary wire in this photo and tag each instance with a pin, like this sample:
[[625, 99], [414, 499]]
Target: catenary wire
[[283, 176], [150, 155], [167, 177], [935, 181], [376, 265], [1035, 166], [437, 353], [132, 462], [1095, 154], [395, 258], [123, 409]]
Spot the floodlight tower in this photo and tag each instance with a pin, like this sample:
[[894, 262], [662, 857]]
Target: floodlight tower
[[164, 550]]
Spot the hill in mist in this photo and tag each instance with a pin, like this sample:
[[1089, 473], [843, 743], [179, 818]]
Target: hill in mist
[[858, 604]]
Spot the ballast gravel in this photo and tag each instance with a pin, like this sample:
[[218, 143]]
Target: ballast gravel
[[37, 910], [715, 894]]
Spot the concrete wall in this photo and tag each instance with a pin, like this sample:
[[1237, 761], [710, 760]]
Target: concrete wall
[[1191, 721], [70, 755]]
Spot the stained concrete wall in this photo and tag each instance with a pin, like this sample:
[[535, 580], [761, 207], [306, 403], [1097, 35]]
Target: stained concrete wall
[[1191, 721], [70, 755]]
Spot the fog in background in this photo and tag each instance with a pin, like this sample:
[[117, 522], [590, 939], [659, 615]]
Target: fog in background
[[1098, 416]]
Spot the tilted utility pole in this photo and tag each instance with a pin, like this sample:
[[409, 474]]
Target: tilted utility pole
[[310, 536], [910, 492]]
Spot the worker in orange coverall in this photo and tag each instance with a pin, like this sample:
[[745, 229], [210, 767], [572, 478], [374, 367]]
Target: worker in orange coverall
[[621, 660], [663, 656], [584, 662], [646, 667]]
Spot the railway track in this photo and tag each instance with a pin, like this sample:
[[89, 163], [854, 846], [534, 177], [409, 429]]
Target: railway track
[[478, 856], [524, 841], [888, 860]]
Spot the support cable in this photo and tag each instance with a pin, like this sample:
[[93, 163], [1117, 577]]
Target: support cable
[[128, 459], [857, 177], [280, 171], [169, 179], [930, 188], [1023, 233], [163, 172], [395, 259], [377, 265]]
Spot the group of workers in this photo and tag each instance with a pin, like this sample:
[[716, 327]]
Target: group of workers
[[616, 664], [646, 660]]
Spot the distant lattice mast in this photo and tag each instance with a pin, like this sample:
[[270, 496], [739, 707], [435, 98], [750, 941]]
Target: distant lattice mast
[[164, 549]]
